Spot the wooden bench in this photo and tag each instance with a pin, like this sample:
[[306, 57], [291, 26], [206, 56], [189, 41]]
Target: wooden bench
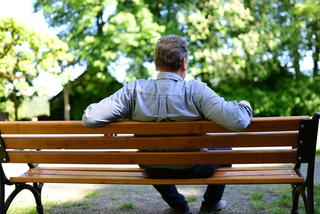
[[287, 140]]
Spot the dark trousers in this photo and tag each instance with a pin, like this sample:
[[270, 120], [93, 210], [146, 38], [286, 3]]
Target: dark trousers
[[170, 193]]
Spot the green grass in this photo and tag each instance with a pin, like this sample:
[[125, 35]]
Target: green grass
[[318, 152], [256, 196], [282, 203], [21, 207], [257, 202], [278, 210], [127, 206], [30, 208], [191, 198], [317, 199], [92, 194], [22, 210], [70, 204], [258, 205]]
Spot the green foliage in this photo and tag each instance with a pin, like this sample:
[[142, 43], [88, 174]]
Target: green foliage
[[243, 49], [30, 107], [90, 87], [101, 32], [23, 54], [282, 96]]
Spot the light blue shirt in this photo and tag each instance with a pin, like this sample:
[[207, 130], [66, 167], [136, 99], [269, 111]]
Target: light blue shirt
[[168, 98]]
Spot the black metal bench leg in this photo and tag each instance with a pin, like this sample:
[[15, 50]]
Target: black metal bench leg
[[35, 191], [295, 200], [37, 196], [2, 198], [304, 197], [14, 193], [308, 202], [309, 199]]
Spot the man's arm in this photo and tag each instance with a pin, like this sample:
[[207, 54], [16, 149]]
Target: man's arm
[[112, 108], [233, 115]]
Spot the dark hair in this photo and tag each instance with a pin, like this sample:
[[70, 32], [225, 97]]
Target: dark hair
[[170, 51]]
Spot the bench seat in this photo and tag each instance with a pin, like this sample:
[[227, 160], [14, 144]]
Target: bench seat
[[235, 175]]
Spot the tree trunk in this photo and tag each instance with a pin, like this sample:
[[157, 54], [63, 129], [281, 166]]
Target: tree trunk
[[316, 53], [15, 104], [296, 59], [315, 61], [67, 107]]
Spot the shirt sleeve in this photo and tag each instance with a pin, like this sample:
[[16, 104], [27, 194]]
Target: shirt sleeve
[[114, 107], [230, 114]]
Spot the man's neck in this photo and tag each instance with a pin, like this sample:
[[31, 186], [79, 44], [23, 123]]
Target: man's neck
[[178, 72]]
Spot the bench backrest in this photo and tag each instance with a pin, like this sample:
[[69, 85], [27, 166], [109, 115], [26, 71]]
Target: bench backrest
[[69, 142]]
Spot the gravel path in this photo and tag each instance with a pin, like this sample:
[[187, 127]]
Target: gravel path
[[146, 200]]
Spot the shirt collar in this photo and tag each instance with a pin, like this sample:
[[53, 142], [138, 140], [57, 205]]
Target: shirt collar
[[169, 75]]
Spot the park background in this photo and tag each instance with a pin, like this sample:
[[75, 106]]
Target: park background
[[56, 57], [265, 51]]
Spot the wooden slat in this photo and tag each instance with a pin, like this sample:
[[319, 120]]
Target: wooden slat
[[122, 127], [85, 173], [182, 142], [133, 127], [289, 123], [119, 173], [234, 157], [137, 169], [256, 172], [88, 169], [281, 179], [255, 168], [220, 177]]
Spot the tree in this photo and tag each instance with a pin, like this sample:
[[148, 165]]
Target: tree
[[102, 32], [309, 12], [235, 45], [23, 54]]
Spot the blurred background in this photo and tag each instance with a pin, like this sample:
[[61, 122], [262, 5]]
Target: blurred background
[[58, 56]]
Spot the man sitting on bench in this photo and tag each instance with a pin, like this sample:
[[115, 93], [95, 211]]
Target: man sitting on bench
[[170, 97]]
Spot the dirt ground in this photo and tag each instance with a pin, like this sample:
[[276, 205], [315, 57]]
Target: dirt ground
[[145, 199]]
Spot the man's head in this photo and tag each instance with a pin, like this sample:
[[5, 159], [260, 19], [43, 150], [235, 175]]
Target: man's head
[[171, 53]]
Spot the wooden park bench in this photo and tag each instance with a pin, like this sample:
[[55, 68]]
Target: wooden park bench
[[287, 141]]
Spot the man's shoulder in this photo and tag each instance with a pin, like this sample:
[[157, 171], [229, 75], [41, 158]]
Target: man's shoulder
[[195, 85], [196, 82], [139, 83]]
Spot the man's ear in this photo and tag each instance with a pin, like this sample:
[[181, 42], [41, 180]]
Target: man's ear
[[184, 64]]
